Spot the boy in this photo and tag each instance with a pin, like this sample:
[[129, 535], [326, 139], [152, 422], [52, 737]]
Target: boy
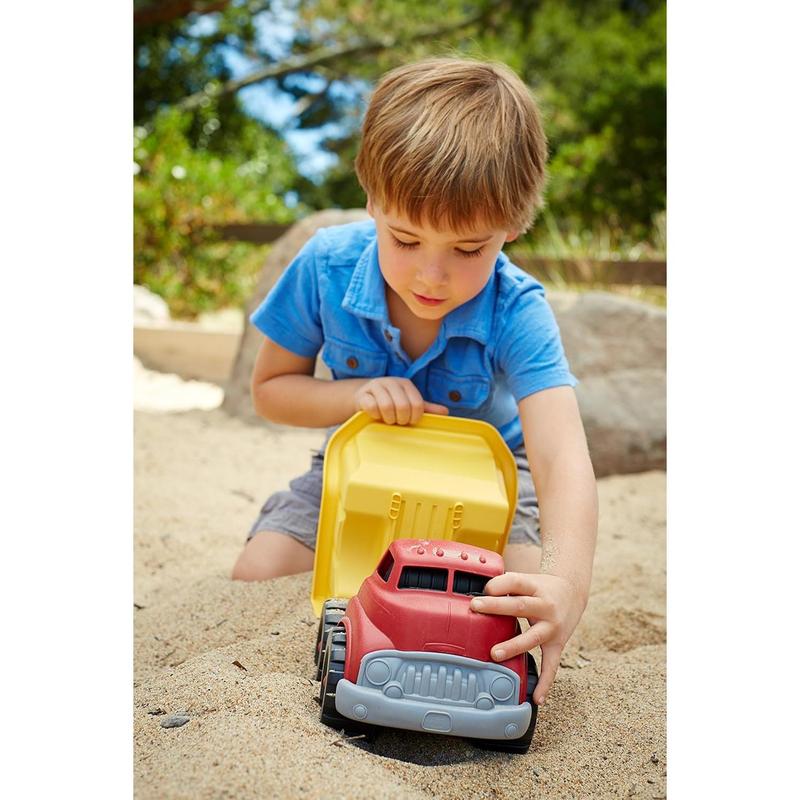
[[417, 310]]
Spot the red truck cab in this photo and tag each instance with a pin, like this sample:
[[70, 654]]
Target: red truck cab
[[407, 651]]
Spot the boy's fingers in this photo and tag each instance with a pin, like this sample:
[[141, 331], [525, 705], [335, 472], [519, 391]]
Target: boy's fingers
[[400, 403], [512, 583], [435, 408], [515, 606], [535, 636], [385, 402], [551, 658], [415, 401], [370, 405]]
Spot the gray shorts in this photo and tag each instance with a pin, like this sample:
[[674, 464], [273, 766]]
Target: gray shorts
[[295, 511]]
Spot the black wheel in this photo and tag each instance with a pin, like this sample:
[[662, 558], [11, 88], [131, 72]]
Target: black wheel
[[332, 612], [332, 672], [521, 745]]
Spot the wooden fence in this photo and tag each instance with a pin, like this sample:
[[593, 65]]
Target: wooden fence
[[572, 270]]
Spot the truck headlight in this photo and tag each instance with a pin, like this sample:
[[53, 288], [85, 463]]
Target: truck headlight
[[378, 672], [502, 688]]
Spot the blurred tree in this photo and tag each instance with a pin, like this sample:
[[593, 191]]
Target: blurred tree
[[597, 67], [598, 70], [213, 164], [147, 12], [180, 48], [178, 190]]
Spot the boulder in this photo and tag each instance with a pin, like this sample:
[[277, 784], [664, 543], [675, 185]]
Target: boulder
[[616, 348]]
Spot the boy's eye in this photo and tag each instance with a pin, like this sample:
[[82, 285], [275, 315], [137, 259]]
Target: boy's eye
[[404, 245], [411, 245]]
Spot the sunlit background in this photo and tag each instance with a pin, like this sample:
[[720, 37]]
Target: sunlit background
[[249, 112]]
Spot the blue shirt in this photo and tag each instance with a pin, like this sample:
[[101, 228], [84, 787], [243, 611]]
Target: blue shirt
[[499, 347]]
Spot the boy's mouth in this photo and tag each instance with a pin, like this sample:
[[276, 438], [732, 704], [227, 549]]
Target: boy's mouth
[[427, 301]]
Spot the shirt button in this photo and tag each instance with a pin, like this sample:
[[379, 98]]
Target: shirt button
[[388, 336], [352, 362], [455, 396]]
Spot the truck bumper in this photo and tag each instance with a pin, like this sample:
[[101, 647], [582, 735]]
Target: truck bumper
[[373, 706]]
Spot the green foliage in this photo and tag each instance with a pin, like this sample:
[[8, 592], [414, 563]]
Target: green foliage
[[213, 165], [602, 243], [600, 75], [179, 190], [179, 57], [597, 68]]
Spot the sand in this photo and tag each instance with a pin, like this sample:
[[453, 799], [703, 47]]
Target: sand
[[254, 728]]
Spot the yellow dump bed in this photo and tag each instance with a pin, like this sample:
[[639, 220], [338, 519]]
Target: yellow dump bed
[[443, 478]]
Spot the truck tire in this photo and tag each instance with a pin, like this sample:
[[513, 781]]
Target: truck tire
[[521, 745], [332, 611], [332, 673]]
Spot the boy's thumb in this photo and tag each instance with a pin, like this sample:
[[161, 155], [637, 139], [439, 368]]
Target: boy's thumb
[[435, 408]]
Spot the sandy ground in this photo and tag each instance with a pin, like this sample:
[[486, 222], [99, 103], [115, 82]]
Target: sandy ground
[[254, 729]]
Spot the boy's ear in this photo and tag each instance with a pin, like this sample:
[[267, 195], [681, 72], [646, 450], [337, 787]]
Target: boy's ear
[[511, 235], [370, 210]]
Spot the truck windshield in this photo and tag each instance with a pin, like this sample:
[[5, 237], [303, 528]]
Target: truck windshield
[[385, 567], [430, 578], [469, 583]]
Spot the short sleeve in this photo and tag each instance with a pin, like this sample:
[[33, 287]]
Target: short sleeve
[[529, 350], [290, 313]]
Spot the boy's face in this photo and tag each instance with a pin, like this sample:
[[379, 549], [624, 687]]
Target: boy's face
[[435, 271]]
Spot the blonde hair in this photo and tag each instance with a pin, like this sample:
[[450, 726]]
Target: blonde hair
[[454, 143]]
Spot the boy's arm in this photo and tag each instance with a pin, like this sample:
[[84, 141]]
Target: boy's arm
[[554, 600], [562, 473], [284, 390]]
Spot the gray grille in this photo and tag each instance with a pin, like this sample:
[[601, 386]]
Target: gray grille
[[439, 681], [437, 677]]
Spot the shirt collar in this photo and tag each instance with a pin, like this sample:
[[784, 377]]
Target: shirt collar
[[366, 297], [366, 292]]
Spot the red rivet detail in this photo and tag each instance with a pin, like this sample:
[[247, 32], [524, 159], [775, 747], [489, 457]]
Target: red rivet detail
[[439, 551], [464, 556], [482, 559], [421, 550]]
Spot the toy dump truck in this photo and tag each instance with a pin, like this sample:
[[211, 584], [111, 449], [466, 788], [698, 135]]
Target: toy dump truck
[[412, 522], [407, 651]]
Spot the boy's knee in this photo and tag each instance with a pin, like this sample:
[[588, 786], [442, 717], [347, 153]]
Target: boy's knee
[[271, 555], [248, 568]]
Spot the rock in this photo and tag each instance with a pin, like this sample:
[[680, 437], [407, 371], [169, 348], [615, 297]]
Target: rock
[[148, 307], [617, 349], [237, 391], [174, 721], [604, 332]]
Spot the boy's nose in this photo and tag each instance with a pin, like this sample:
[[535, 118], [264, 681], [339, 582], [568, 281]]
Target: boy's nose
[[432, 274]]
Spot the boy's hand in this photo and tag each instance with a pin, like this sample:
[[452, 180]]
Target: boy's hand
[[394, 401], [551, 604]]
